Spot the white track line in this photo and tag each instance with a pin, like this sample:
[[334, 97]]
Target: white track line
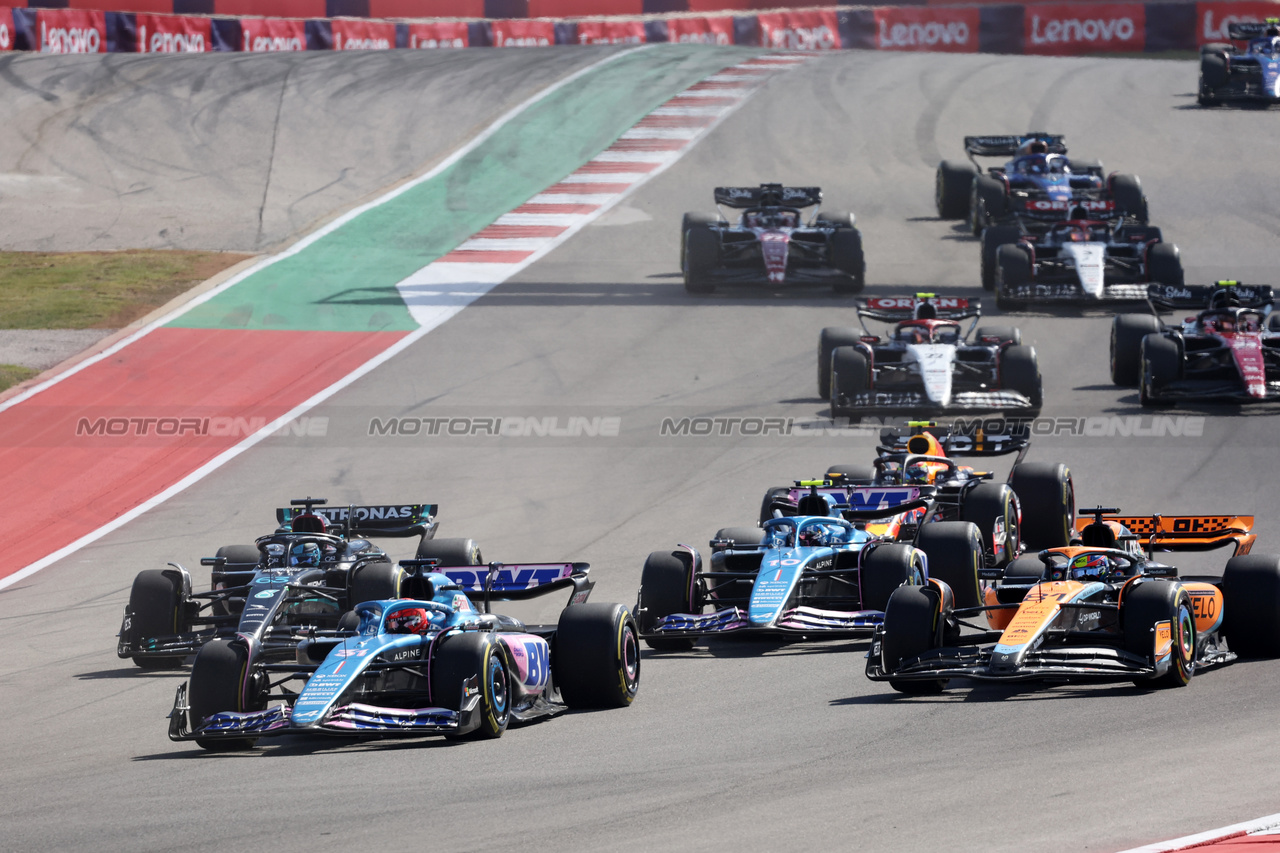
[[1261, 826], [306, 241]]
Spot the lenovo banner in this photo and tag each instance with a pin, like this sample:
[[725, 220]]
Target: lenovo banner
[[445, 34], [610, 32], [1212, 18], [71, 31], [815, 30], [1062, 29], [522, 33], [940, 29], [7, 33], [269, 35], [173, 34], [700, 30], [356, 34]]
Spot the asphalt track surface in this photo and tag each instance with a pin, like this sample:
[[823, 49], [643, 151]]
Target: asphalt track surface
[[747, 745]]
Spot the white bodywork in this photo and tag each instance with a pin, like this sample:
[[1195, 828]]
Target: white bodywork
[[1089, 262], [934, 362]]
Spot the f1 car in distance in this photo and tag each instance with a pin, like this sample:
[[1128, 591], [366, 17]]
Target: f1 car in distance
[[1228, 73], [1080, 261], [1039, 185], [1034, 508], [1229, 350], [317, 565], [797, 577], [432, 663], [771, 242], [927, 362], [1100, 609]]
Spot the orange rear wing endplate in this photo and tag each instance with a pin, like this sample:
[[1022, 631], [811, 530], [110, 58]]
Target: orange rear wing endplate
[[1186, 532]]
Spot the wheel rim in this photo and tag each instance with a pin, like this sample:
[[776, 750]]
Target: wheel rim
[[498, 689], [1186, 638], [630, 657]]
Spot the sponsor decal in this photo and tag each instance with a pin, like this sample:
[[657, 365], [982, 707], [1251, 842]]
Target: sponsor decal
[[511, 577], [1070, 204], [506, 427], [863, 499], [816, 30], [350, 653], [6, 29], [1214, 18], [269, 35], [352, 34], [1084, 28], [220, 426], [71, 31], [266, 593], [936, 29], [517, 33], [611, 32], [700, 30], [446, 34], [908, 303], [173, 34], [888, 398]]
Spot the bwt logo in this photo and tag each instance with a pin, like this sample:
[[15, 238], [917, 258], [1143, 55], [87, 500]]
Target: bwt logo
[[803, 38], [69, 40], [1091, 30], [271, 44], [506, 580], [224, 426], [877, 499], [175, 43], [927, 35]]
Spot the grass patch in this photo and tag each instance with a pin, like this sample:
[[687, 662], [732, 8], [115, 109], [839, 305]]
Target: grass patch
[[12, 374], [97, 290]]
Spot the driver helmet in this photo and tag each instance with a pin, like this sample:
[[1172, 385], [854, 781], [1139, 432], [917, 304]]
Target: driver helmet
[[811, 536], [914, 334], [1035, 146], [1037, 164], [1225, 324], [408, 620], [1091, 567], [304, 554], [916, 473]]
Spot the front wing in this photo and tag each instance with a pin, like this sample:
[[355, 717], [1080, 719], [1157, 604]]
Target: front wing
[[1212, 390], [795, 620], [917, 400], [1072, 292]]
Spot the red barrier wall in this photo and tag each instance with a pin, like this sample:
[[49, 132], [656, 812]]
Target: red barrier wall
[[939, 30], [355, 34], [584, 8], [443, 34], [1212, 18], [268, 35], [800, 30], [273, 9], [1071, 28], [701, 30], [173, 34], [6, 28], [523, 33], [425, 8]]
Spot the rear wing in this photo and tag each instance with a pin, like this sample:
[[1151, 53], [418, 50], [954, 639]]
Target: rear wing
[[858, 503], [514, 581], [959, 439], [1007, 146], [1245, 30], [1185, 532], [895, 308], [1199, 296], [385, 520], [768, 195]]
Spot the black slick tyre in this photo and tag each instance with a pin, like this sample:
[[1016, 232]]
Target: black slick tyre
[[241, 563], [1047, 496], [377, 581], [741, 537], [992, 505], [777, 493], [1009, 334], [1251, 601], [463, 656], [157, 610], [848, 379], [690, 222], [1161, 364], [1126, 191], [701, 257], [989, 202], [912, 626], [851, 475], [451, 552], [595, 656], [847, 257], [829, 340], [1127, 332], [953, 184], [1157, 601], [665, 584], [220, 682], [1027, 569], [992, 239], [1020, 372], [1213, 72], [883, 570], [1013, 270], [955, 553], [1164, 264]]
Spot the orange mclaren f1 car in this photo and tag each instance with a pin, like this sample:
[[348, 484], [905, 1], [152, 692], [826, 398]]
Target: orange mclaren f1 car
[[1102, 608]]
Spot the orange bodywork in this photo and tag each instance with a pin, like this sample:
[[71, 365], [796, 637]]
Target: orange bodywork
[[1039, 607], [1206, 605], [1185, 532]]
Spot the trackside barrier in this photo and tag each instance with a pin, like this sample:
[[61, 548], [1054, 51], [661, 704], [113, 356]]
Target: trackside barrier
[[1054, 29]]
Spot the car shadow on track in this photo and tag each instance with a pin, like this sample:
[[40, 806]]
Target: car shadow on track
[[133, 672], [745, 647], [965, 690]]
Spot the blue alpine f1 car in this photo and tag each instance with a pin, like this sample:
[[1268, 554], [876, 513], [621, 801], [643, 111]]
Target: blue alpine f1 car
[[1040, 185], [803, 575], [432, 663], [1228, 73]]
